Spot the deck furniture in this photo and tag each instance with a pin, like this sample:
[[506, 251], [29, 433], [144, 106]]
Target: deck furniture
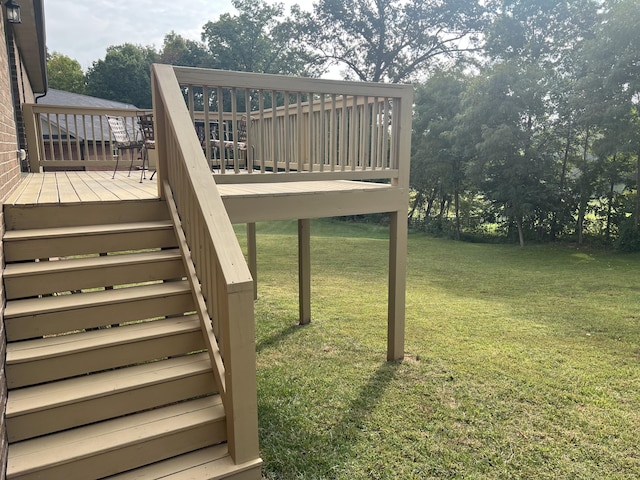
[[145, 121], [126, 139]]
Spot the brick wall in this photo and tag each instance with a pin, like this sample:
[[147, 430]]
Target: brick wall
[[9, 177]]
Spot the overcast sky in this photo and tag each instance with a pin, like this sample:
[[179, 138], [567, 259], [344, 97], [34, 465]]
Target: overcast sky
[[84, 29]]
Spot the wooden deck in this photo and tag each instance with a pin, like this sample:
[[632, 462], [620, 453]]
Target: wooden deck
[[245, 202], [81, 187]]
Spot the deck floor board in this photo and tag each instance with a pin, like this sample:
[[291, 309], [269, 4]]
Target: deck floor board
[[74, 187]]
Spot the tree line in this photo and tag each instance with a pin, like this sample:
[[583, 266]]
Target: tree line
[[526, 122]]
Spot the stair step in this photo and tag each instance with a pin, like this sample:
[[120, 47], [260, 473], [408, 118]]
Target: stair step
[[39, 278], [21, 245], [212, 463], [31, 362], [118, 445], [35, 317], [22, 217], [56, 406]]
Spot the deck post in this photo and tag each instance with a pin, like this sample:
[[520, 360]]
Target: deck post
[[252, 253], [397, 285], [160, 131], [304, 270], [240, 362]]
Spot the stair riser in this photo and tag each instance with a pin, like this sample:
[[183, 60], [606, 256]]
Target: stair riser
[[50, 323], [24, 217], [40, 284], [95, 360], [131, 456], [64, 246], [108, 406]]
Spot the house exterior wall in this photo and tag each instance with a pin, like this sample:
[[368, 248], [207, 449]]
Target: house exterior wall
[[9, 178]]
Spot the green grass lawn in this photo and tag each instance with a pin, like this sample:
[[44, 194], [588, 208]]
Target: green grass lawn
[[520, 363]]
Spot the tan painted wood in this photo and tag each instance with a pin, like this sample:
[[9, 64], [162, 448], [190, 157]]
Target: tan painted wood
[[66, 192], [61, 242], [397, 285], [252, 256], [31, 191], [200, 305], [57, 406], [19, 189], [118, 445], [38, 278], [240, 371], [33, 318], [304, 271], [292, 205], [24, 217], [49, 190], [213, 463], [199, 181], [81, 188], [36, 361]]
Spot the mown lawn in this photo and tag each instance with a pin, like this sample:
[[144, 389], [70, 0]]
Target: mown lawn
[[520, 363]]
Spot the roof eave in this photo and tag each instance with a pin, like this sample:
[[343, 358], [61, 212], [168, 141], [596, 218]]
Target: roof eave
[[31, 41]]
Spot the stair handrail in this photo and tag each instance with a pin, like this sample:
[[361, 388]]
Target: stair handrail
[[223, 283]]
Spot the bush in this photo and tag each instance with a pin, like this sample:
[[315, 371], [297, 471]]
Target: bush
[[629, 237]]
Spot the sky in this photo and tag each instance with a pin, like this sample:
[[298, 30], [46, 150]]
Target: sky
[[84, 29]]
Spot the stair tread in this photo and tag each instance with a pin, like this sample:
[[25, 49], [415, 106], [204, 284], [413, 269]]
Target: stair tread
[[39, 306], [207, 463], [43, 348], [27, 400], [43, 233], [73, 264], [91, 440]]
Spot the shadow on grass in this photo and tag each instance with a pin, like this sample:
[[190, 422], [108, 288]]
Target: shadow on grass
[[277, 337], [316, 437]]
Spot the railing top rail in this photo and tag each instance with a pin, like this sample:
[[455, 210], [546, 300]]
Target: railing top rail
[[230, 257], [79, 110], [223, 78]]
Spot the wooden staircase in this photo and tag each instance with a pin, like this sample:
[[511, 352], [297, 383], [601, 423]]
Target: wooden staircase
[[105, 365]]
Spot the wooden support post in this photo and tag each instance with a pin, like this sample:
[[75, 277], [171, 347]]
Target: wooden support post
[[252, 253], [241, 405], [304, 270], [397, 285]]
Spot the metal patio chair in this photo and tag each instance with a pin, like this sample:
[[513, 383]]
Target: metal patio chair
[[126, 139], [145, 121]]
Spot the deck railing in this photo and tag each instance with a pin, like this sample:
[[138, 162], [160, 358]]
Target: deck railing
[[67, 137], [216, 266], [304, 128]]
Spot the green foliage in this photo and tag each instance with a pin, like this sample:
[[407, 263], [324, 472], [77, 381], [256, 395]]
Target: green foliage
[[123, 75], [390, 40], [258, 39], [178, 50], [629, 238], [65, 73]]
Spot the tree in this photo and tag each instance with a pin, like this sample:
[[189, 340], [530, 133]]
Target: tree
[[65, 73], [614, 79], [390, 40], [438, 159], [123, 75], [259, 39], [176, 50]]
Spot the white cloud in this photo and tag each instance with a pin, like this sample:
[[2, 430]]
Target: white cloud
[[84, 30]]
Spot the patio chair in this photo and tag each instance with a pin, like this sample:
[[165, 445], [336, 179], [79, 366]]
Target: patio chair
[[125, 140], [241, 136], [145, 121]]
